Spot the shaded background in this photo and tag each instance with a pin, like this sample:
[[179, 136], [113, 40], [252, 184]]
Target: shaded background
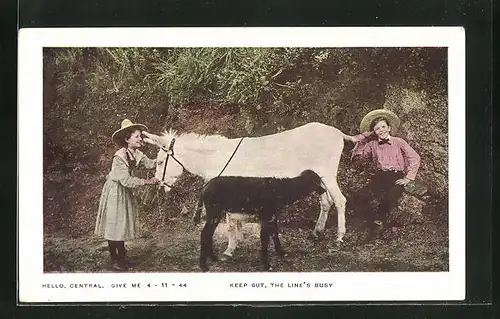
[[240, 92]]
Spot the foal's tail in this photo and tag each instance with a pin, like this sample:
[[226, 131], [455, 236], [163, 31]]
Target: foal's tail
[[199, 208]]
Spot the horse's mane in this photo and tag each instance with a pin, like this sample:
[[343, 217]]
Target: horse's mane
[[193, 137], [169, 134]]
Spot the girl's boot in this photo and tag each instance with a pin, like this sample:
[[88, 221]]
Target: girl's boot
[[123, 264], [113, 254]]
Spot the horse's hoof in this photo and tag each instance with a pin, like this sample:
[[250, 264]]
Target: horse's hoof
[[338, 246], [332, 250], [225, 257], [204, 268], [314, 236], [282, 254]]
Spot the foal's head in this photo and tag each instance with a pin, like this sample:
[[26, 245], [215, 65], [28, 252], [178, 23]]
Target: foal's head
[[313, 181]]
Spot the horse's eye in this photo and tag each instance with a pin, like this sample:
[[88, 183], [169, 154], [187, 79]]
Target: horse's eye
[[160, 162]]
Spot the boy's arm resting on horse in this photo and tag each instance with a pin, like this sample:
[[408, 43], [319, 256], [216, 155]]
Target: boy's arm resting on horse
[[361, 147], [357, 138], [120, 173]]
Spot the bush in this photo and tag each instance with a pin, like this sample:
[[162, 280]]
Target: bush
[[240, 92]]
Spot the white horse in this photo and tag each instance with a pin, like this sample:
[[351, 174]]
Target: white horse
[[313, 146]]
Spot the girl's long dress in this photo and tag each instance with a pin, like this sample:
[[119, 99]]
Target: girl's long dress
[[117, 214]]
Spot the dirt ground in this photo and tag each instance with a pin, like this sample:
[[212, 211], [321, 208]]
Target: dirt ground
[[175, 248], [171, 242]]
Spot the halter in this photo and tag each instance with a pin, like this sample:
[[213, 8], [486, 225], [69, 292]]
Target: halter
[[170, 153]]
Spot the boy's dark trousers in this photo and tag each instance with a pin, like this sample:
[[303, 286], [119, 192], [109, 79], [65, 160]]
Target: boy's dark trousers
[[386, 192]]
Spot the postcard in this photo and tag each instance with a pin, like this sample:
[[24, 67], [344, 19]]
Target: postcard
[[241, 164]]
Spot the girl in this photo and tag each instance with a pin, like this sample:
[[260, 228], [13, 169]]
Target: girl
[[116, 218], [396, 162]]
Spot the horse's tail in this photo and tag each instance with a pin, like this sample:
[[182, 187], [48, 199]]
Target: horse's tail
[[199, 208]]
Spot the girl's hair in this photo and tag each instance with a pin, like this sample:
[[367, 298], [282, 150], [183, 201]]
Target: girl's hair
[[379, 119], [126, 135]]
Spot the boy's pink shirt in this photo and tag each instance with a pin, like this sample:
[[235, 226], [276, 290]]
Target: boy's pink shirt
[[398, 155]]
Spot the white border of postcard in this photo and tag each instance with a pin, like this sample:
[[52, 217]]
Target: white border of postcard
[[210, 287]]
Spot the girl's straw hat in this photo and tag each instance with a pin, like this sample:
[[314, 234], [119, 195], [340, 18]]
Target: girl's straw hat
[[127, 126], [393, 119]]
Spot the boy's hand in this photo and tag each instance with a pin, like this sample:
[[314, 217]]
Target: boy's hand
[[402, 181]]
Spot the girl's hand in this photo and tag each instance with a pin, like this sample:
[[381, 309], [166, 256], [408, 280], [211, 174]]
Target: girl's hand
[[402, 181]]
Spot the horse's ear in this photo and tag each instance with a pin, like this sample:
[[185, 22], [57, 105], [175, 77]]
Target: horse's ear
[[152, 139]]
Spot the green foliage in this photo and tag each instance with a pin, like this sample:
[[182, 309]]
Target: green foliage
[[237, 76], [88, 91], [277, 87]]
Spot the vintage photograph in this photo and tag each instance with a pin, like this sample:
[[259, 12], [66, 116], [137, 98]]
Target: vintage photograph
[[245, 160], [339, 155]]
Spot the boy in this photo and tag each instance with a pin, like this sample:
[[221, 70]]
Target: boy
[[396, 162]]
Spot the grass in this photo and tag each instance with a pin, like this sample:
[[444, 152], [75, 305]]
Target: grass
[[175, 248]]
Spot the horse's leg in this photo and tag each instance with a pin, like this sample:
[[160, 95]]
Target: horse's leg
[[239, 232], [275, 236], [231, 237], [265, 228], [340, 202], [333, 194], [326, 202]]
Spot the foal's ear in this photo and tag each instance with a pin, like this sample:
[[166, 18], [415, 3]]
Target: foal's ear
[[152, 139], [320, 190]]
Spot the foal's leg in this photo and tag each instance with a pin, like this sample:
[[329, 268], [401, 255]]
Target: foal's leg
[[203, 246], [265, 229], [275, 236], [207, 233], [211, 252]]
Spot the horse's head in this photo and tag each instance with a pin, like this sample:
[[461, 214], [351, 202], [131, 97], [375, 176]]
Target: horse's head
[[168, 169]]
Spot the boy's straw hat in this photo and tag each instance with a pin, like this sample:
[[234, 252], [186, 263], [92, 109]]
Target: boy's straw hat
[[127, 126], [393, 119]]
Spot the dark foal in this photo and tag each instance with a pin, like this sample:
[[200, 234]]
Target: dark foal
[[252, 195]]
